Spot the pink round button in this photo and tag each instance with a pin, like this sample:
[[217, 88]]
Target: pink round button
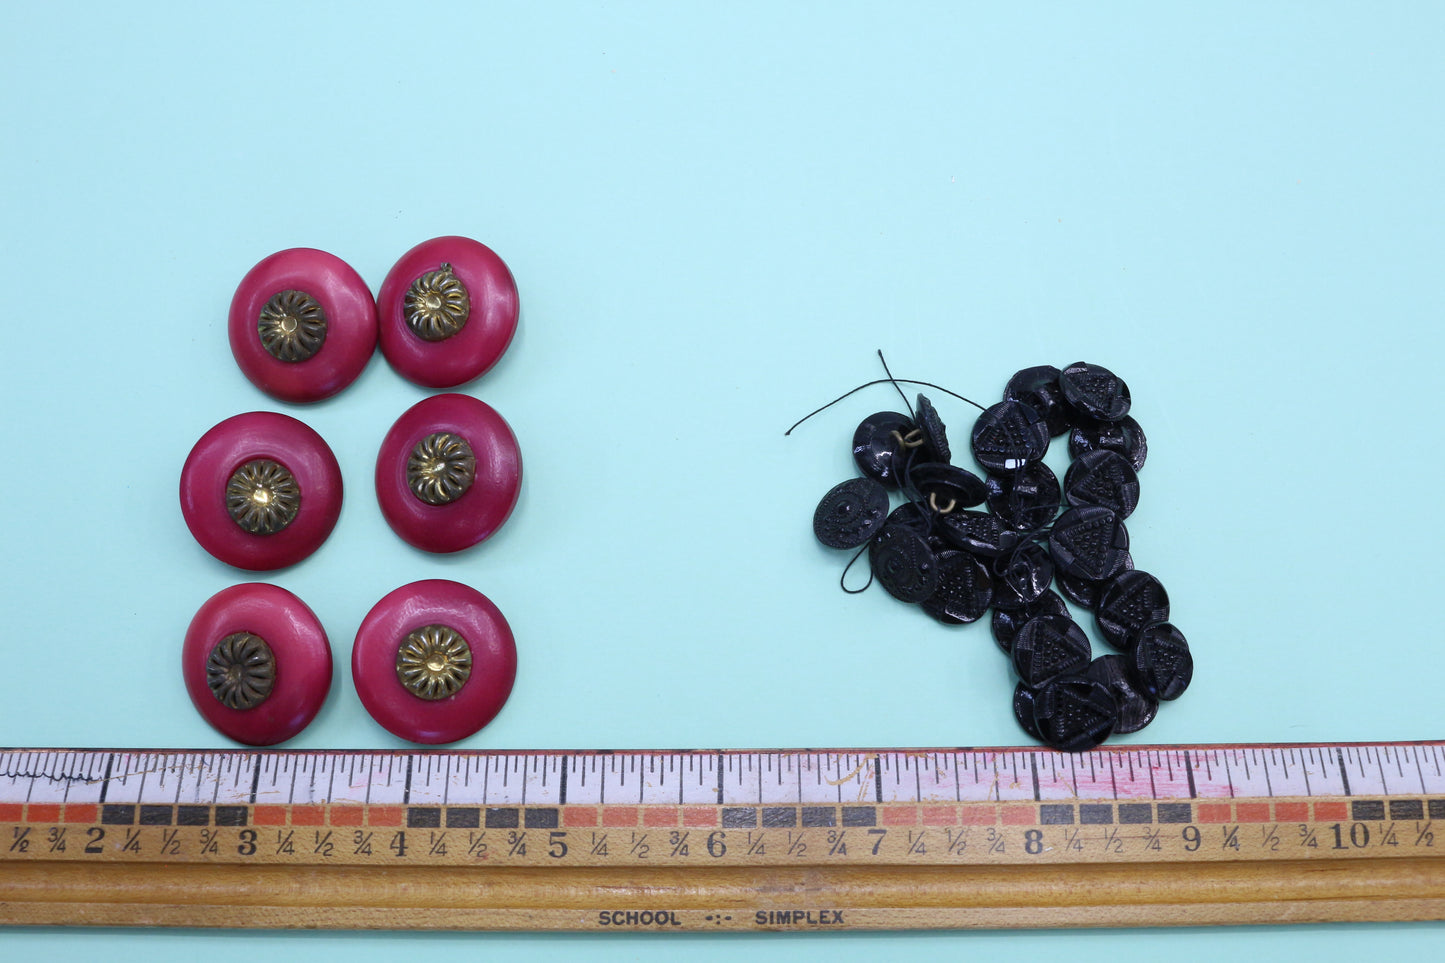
[[302, 325], [261, 491], [448, 474], [434, 661], [257, 663], [447, 311]]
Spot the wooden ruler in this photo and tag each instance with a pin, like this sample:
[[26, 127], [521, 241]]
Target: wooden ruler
[[723, 840]]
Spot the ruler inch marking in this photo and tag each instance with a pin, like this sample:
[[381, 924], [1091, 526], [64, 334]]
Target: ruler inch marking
[[255, 779], [105, 779], [1344, 775]]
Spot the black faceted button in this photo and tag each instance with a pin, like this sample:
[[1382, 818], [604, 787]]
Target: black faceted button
[[1026, 498], [1050, 646], [1038, 388], [946, 488], [1102, 478], [1094, 391], [1021, 575], [903, 564], [1161, 662], [935, 437], [1024, 710], [851, 513], [879, 448], [964, 591], [1129, 604], [1074, 713], [1136, 708], [1124, 437], [1009, 435], [976, 532], [1007, 622], [1083, 592], [1089, 543]]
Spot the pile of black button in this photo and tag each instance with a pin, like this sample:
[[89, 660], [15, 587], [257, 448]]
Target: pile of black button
[[957, 562]]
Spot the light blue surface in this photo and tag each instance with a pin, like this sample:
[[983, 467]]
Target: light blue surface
[[714, 218]]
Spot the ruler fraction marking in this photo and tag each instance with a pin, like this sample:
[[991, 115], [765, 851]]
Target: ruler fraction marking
[[744, 839]]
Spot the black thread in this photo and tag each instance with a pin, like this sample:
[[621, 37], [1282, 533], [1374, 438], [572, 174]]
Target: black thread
[[911, 415], [843, 578], [883, 381]]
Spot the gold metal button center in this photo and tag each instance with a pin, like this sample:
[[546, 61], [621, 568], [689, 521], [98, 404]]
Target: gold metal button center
[[441, 468], [436, 305], [292, 326], [241, 671], [262, 496], [434, 662]]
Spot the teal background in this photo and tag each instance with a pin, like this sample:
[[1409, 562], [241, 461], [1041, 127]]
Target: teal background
[[715, 216]]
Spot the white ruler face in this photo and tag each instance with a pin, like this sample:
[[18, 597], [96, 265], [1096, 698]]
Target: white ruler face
[[718, 778]]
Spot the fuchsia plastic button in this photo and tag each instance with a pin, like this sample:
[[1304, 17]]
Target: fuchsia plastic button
[[434, 661], [302, 325], [257, 663], [447, 311], [448, 474], [261, 491]]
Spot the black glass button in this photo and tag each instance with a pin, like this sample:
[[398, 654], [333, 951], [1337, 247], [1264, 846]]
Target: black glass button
[[851, 513], [903, 564], [1161, 662], [1124, 437], [1136, 709], [976, 532], [1007, 622], [1083, 592], [1026, 498], [879, 448], [964, 591], [1038, 388], [911, 515], [1089, 543], [1094, 391], [1074, 713], [946, 488], [1021, 575], [1102, 478], [935, 436], [1009, 435], [1024, 710], [1050, 646], [1132, 602]]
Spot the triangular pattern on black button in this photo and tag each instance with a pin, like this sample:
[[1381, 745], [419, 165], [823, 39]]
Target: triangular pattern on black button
[[1050, 660], [1049, 646], [1003, 436], [1103, 483], [1097, 389], [1075, 714], [1137, 601], [1167, 660], [1088, 542], [964, 591]]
